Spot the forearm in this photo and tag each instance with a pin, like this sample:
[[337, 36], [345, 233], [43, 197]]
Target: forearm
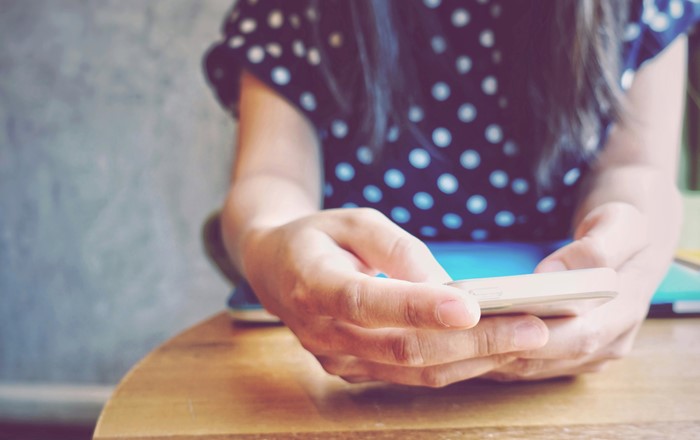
[[261, 201], [651, 192]]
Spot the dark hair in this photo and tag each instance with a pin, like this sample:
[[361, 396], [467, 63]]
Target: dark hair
[[568, 72]]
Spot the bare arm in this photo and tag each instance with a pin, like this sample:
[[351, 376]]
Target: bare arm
[[277, 173], [629, 219]]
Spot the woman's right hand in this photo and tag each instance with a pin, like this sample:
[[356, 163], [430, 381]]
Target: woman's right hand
[[317, 274]]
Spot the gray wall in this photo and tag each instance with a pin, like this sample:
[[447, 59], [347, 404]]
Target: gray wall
[[112, 153]]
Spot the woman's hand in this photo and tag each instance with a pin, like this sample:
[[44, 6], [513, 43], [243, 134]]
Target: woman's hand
[[613, 235], [318, 275]]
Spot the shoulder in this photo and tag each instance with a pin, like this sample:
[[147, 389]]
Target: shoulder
[[653, 25]]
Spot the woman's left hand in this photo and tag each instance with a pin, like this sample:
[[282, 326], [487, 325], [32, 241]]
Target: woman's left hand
[[613, 235]]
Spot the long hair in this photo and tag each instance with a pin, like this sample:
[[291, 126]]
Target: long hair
[[568, 68]]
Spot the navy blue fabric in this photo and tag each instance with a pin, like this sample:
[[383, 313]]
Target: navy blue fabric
[[469, 182]]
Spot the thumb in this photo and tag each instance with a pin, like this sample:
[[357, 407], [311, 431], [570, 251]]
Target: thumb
[[608, 236], [385, 247]]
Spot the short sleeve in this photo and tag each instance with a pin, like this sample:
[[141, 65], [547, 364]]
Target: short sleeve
[[653, 25], [275, 41]]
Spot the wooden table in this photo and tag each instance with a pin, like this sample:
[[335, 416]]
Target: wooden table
[[219, 381]]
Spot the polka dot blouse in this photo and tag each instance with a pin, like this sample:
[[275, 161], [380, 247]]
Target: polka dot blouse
[[465, 180]]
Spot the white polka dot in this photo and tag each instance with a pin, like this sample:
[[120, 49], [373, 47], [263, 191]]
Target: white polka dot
[[247, 25], [571, 176], [503, 102], [393, 134], [466, 112], [489, 85], [415, 113], [295, 21], [520, 186], [275, 19], [335, 39], [328, 190], [236, 42], [419, 158], [504, 219], [592, 142], [660, 22], [441, 91], [365, 155], [447, 183], [394, 178], [496, 10], [470, 159], [496, 56], [463, 64], [479, 234], [311, 14], [339, 129], [372, 194], [400, 215], [476, 204], [452, 220], [349, 205], [252, 2], [438, 44], [298, 48], [313, 56], [631, 32], [627, 79], [460, 17], [494, 134], [498, 179], [274, 49], [510, 148], [308, 101], [428, 231], [676, 8], [546, 204], [423, 200], [256, 54], [344, 171], [442, 137], [486, 38], [432, 3], [280, 75]]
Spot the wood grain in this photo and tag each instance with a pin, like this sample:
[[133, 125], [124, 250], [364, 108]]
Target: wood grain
[[220, 381]]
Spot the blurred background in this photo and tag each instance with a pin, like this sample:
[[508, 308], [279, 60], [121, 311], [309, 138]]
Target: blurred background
[[112, 154]]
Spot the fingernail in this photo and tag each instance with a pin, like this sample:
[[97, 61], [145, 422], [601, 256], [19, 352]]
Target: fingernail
[[454, 314], [552, 266], [528, 336]]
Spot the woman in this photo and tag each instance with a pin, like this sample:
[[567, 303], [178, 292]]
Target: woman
[[369, 127]]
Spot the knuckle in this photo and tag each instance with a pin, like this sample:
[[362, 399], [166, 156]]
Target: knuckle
[[360, 216], [407, 350], [411, 312], [434, 377], [586, 345], [594, 252], [483, 344], [332, 365], [353, 301], [524, 368], [403, 246], [595, 367], [300, 299]]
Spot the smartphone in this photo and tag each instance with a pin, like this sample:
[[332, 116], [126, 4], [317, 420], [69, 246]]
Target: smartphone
[[566, 293]]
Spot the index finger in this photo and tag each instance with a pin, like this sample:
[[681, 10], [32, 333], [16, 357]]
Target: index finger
[[373, 302]]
